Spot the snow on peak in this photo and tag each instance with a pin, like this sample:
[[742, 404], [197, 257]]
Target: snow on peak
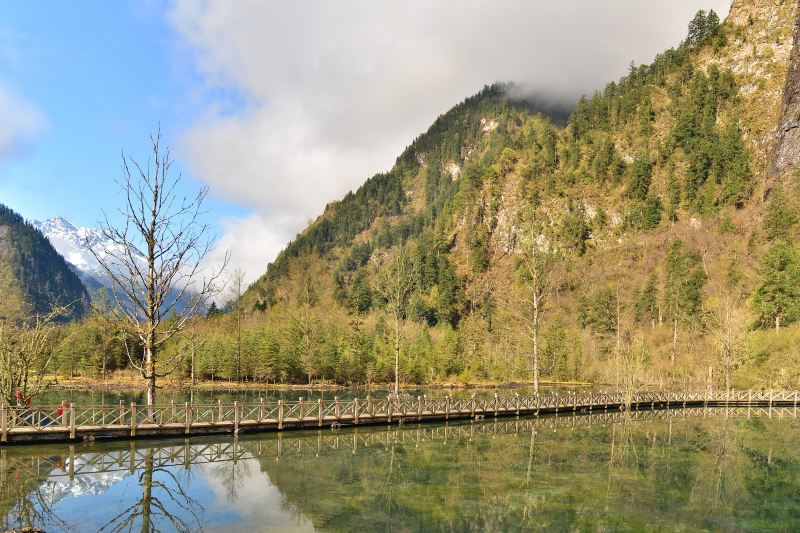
[[75, 243]]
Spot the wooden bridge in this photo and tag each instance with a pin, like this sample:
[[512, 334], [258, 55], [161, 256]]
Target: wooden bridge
[[34, 425]]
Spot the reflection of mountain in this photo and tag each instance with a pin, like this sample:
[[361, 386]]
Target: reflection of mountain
[[58, 488]]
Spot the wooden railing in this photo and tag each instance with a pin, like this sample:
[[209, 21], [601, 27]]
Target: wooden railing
[[36, 424]]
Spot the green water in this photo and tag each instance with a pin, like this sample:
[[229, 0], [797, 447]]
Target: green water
[[679, 470]]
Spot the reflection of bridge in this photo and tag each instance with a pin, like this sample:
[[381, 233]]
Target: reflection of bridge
[[29, 425], [131, 457]]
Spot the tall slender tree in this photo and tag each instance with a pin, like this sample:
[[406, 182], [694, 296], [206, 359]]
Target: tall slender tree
[[396, 283], [155, 258]]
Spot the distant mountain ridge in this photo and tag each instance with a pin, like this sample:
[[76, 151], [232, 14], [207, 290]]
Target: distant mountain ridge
[[33, 275], [75, 244]]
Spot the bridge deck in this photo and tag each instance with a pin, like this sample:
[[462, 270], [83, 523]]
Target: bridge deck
[[33, 425]]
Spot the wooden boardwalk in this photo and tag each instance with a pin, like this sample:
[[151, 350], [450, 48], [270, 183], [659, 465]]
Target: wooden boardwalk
[[20, 425]]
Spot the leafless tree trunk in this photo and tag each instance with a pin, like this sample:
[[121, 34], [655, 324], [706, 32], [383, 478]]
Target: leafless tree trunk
[[396, 284], [155, 259], [728, 328], [540, 281]]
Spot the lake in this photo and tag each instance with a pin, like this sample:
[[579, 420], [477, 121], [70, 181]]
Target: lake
[[691, 470]]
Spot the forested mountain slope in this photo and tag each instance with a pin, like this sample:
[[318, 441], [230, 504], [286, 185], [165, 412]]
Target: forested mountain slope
[[668, 197], [33, 276]]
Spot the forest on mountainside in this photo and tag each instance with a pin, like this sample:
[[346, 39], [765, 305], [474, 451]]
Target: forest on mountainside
[[33, 276], [642, 236]]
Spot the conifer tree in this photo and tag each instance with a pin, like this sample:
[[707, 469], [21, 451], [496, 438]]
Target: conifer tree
[[683, 287], [776, 301]]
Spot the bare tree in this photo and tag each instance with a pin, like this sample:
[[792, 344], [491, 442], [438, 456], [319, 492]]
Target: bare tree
[[540, 279], [27, 350], [728, 323], [396, 283], [155, 259]]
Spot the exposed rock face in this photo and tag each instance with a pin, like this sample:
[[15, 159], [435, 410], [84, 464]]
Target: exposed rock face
[[786, 156]]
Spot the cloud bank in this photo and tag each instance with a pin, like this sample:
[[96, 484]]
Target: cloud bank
[[311, 98]]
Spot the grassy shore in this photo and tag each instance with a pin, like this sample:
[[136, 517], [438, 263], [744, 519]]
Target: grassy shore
[[131, 381]]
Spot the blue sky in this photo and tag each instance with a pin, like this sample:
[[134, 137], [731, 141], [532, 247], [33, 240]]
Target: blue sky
[[102, 78], [278, 107]]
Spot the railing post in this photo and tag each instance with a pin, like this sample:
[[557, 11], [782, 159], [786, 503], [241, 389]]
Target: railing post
[[336, 407], [133, 419], [319, 412], [172, 405], [495, 404], [447, 408], [261, 409], [187, 412], [355, 414], [516, 400], [219, 410], [574, 400], [301, 410], [538, 403], [3, 423], [472, 406], [237, 416], [72, 422], [419, 407], [280, 414], [121, 412], [770, 398]]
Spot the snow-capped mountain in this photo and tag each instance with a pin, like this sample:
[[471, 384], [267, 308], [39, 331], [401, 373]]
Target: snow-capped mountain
[[74, 243]]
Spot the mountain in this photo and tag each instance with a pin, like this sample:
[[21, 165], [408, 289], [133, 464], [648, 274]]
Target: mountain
[[75, 244], [33, 276], [669, 195]]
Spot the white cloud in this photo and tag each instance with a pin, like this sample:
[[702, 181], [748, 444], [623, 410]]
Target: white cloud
[[328, 93], [21, 124]]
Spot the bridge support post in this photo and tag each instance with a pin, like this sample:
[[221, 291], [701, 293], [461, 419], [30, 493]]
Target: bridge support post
[[187, 413], [280, 414], [133, 419], [419, 408], [319, 412], [336, 408], [495, 405], [261, 409], [301, 411], [355, 417], [237, 416], [447, 408], [72, 421], [516, 401], [472, 406]]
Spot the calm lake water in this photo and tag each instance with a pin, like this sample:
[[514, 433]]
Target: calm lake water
[[686, 470], [206, 396]]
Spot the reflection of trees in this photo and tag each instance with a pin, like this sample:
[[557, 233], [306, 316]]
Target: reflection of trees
[[163, 501], [232, 474], [24, 498], [719, 485]]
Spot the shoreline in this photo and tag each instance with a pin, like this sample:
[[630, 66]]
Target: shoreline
[[133, 385]]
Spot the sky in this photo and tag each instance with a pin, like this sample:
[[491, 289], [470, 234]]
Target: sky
[[278, 107]]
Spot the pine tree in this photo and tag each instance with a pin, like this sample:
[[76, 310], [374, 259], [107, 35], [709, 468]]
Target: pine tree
[[776, 301], [780, 216], [683, 287], [639, 181]]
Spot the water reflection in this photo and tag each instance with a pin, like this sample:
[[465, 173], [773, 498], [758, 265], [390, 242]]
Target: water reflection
[[733, 468]]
